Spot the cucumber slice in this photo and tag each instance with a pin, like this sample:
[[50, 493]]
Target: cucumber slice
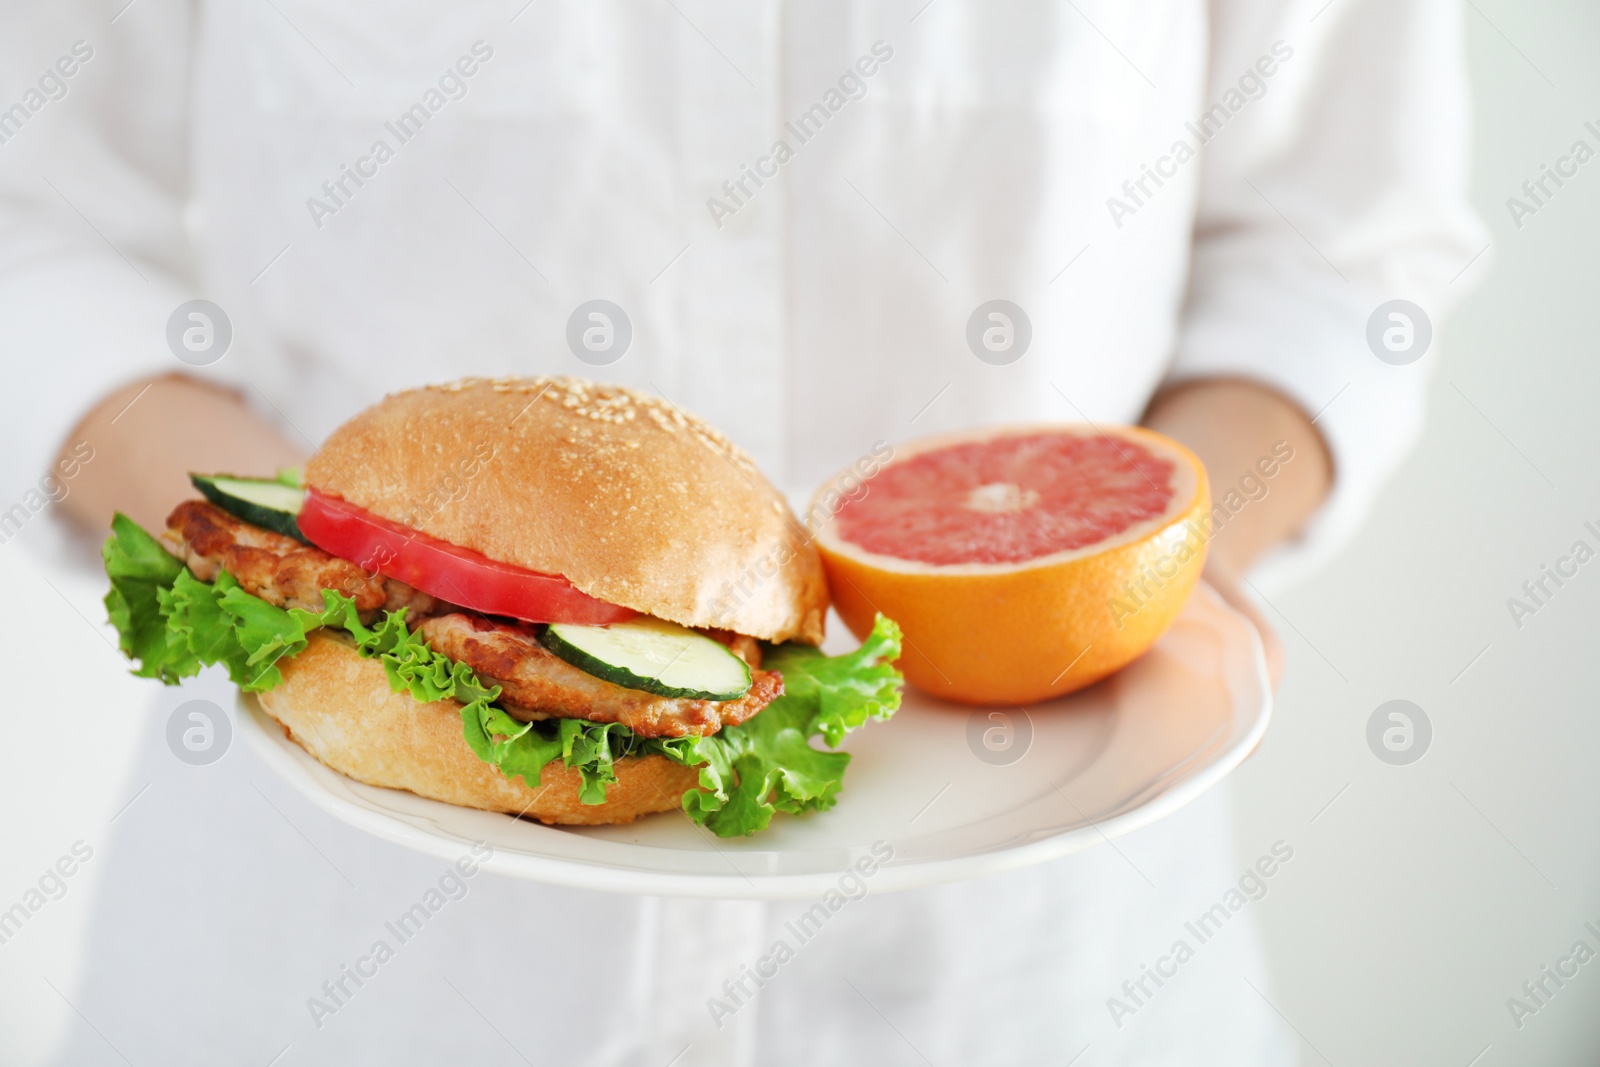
[[259, 501], [652, 655]]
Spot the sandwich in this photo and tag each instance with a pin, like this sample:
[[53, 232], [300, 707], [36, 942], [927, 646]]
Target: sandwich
[[547, 597]]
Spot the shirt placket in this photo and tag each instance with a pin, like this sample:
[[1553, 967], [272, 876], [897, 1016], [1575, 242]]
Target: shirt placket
[[730, 280]]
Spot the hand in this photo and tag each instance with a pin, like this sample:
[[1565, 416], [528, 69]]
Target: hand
[[1232, 589], [1230, 425], [146, 438]]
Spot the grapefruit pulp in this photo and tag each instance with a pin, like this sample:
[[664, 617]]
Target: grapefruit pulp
[[1021, 562]]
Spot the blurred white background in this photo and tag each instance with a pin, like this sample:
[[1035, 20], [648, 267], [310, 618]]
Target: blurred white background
[[1422, 897]]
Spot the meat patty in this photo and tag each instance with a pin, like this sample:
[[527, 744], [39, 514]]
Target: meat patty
[[279, 569], [538, 684]]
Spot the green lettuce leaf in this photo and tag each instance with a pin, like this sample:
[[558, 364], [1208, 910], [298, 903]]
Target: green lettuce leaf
[[140, 569], [173, 624], [219, 623], [849, 689], [195, 611], [766, 764]]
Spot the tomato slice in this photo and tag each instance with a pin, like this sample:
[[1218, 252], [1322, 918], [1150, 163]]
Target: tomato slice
[[449, 572]]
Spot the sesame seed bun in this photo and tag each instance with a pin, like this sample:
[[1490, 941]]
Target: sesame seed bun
[[338, 706], [631, 499]]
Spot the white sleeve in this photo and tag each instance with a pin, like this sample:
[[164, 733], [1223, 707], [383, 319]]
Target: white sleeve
[[93, 168], [1340, 186]]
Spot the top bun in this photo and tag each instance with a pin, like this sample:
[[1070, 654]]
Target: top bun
[[631, 499]]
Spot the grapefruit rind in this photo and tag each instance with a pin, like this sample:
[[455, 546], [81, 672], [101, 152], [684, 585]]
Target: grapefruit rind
[[1018, 633]]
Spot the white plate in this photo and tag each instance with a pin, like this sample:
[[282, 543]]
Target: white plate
[[1101, 762]]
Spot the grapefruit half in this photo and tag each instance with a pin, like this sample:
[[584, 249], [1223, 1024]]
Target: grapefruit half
[[1021, 562]]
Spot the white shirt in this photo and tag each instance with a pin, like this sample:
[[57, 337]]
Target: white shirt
[[539, 157]]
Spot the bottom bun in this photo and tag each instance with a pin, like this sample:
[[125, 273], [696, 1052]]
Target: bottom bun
[[338, 706]]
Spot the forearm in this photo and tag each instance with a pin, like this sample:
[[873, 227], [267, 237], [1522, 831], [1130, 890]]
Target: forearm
[[1231, 424], [144, 447]]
